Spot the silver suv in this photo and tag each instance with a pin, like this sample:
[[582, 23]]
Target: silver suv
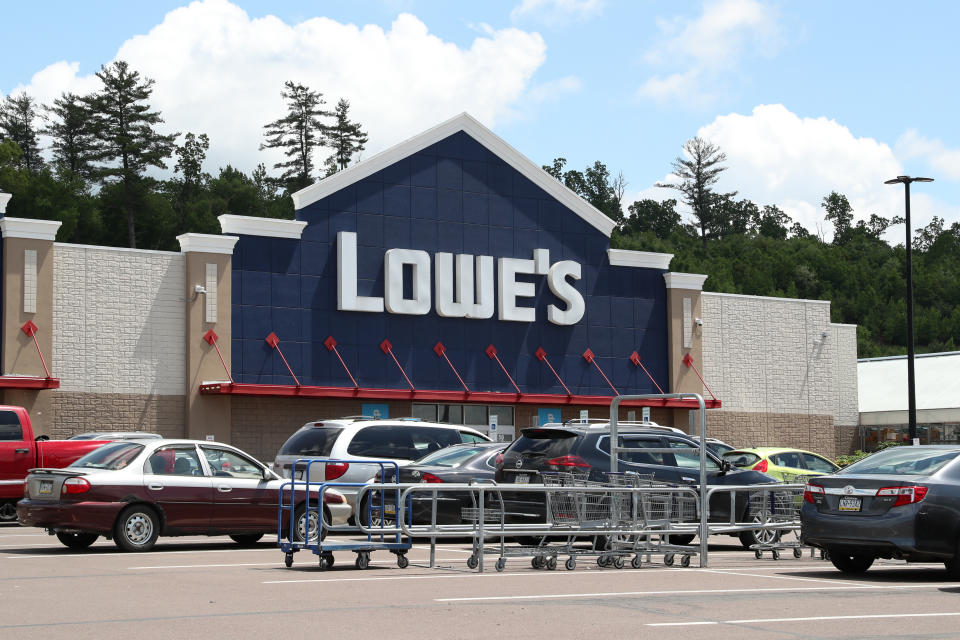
[[400, 440]]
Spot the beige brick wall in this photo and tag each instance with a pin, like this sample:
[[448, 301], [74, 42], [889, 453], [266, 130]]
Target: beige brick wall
[[77, 412], [753, 429]]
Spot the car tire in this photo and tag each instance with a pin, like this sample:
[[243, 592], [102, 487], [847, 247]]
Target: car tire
[[137, 529], [77, 540], [759, 536], [683, 540], [299, 519], [849, 563], [953, 565], [246, 539]]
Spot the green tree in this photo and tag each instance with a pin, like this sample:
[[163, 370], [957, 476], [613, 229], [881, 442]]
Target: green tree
[[17, 117], [698, 170], [772, 222], [594, 185], [72, 139], [345, 137], [840, 213], [659, 218], [298, 134], [128, 143]]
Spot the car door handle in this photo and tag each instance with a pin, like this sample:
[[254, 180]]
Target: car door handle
[[155, 487], [686, 479], [224, 488], [21, 450]]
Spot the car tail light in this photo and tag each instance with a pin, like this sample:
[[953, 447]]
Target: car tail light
[[498, 461], [904, 495], [329, 497], [812, 491], [569, 461], [429, 477], [75, 485], [761, 466], [334, 470]]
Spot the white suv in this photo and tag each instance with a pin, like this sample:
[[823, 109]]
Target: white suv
[[400, 440]]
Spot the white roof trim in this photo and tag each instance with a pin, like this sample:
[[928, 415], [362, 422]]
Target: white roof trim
[[207, 243], [29, 229], [692, 281], [4, 199], [639, 259], [270, 227], [746, 295], [468, 124]]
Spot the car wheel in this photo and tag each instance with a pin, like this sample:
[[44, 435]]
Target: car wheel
[[849, 563], [77, 540], [953, 565], [246, 539], [137, 529], [300, 520], [8, 511], [759, 536]]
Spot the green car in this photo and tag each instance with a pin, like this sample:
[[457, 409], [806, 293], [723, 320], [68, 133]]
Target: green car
[[781, 463]]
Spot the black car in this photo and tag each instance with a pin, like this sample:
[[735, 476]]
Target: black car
[[902, 502], [586, 449], [460, 463]]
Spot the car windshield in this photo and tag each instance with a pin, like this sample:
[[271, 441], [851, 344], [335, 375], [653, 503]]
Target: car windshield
[[908, 461], [311, 441], [741, 458], [450, 457], [110, 456]]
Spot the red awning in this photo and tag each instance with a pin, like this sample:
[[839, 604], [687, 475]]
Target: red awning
[[28, 382]]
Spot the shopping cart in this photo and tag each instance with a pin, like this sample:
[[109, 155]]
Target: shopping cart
[[776, 505]]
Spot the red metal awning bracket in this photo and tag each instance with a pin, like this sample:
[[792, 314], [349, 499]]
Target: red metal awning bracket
[[441, 352], [331, 345], [688, 360], [491, 352], [274, 343], [592, 359], [211, 337], [387, 348], [635, 359], [31, 330], [542, 357]]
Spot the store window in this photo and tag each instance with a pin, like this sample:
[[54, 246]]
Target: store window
[[466, 414]]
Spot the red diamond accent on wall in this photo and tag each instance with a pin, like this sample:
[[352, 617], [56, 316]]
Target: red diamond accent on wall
[[588, 355], [540, 353], [211, 336], [385, 346], [439, 349], [491, 352], [635, 358], [29, 328], [687, 360], [330, 343], [272, 340]]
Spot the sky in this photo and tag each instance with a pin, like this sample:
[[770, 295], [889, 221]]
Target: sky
[[804, 98]]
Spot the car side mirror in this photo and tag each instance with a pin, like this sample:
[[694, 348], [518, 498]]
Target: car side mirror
[[267, 474], [725, 466]]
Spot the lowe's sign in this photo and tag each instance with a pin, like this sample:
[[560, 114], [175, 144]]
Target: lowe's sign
[[462, 292]]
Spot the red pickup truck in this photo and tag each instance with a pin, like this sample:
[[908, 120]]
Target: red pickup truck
[[20, 451]]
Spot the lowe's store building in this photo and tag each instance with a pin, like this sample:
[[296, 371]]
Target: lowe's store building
[[447, 278]]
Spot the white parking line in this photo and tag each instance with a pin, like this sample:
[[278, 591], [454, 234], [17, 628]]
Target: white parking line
[[728, 572], [808, 619], [57, 556], [20, 546], [609, 594], [205, 566]]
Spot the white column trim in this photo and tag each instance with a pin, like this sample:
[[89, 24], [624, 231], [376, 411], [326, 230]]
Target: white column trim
[[29, 229], [639, 259], [206, 243], [270, 227], [691, 281]]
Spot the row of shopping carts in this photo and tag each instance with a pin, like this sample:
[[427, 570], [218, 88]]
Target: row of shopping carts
[[779, 512], [629, 517]]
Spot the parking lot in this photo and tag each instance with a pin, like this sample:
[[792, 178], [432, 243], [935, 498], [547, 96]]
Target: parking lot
[[209, 587]]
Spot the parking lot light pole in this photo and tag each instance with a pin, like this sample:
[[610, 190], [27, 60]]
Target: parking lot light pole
[[911, 386]]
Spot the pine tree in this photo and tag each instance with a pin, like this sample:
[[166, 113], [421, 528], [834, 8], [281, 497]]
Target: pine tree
[[127, 143], [17, 115], [70, 129], [345, 137], [840, 213], [298, 133]]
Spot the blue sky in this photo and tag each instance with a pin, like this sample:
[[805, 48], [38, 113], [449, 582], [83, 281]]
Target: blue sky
[[804, 97]]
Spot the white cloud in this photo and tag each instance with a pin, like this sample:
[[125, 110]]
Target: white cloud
[[219, 72], [556, 11], [776, 157], [944, 162], [713, 43]]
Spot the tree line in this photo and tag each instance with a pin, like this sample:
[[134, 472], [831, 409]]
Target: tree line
[[95, 179], [102, 147]]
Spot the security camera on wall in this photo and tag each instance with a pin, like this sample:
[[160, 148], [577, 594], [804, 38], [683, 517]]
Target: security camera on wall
[[698, 322]]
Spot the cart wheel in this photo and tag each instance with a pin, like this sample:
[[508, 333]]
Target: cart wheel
[[570, 564], [501, 563], [637, 562], [758, 554], [363, 560], [328, 559], [668, 559], [618, 562], [797, 553], [288, 559], [472, 562], [552, 563], [685, 561], [323, 563], [402, 561], [776, 554]]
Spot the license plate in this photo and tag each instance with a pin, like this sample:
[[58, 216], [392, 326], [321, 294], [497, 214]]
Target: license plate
[[46, 488], [390, 509], [849, 504], [522, 478]]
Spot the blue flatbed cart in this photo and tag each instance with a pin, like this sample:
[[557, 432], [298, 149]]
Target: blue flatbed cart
[[315, 528]]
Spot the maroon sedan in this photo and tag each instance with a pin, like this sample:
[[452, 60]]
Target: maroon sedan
[[134, 491]]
